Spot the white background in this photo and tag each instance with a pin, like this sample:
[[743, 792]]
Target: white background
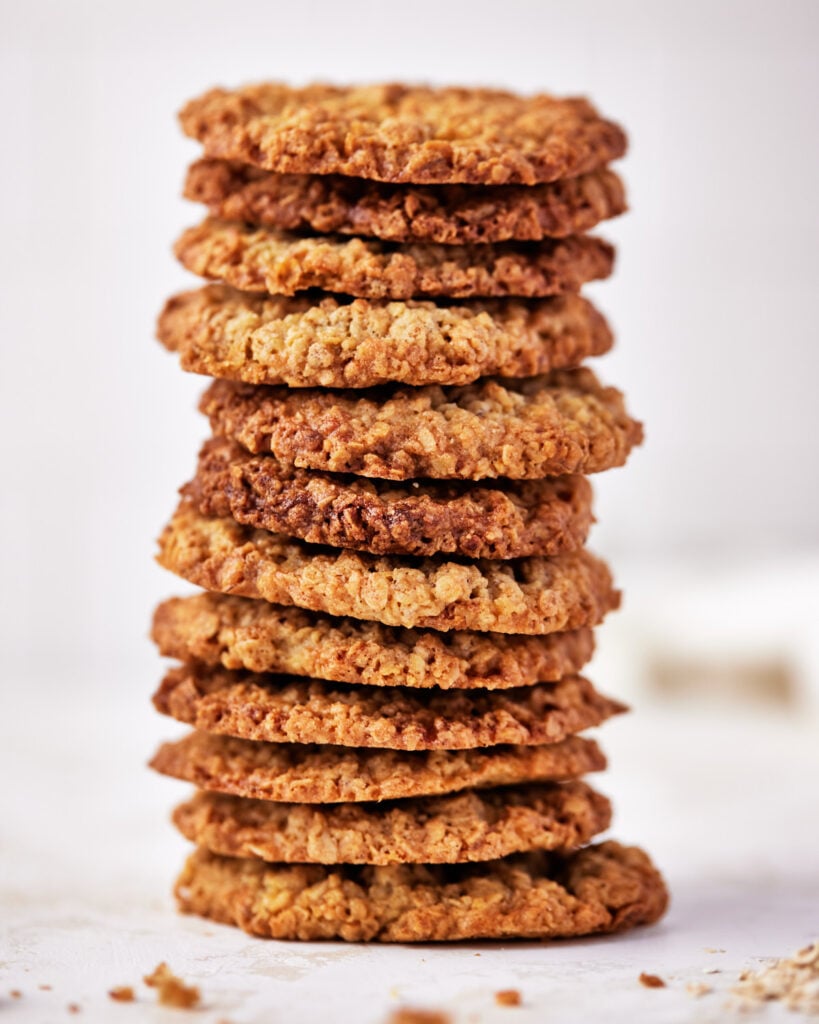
[[713, 527]]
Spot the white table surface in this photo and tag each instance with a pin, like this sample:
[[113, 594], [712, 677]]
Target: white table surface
[[725, 803]]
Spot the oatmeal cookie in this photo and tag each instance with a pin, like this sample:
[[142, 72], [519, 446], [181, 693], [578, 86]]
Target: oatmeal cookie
[[265, 260], [238, 633], [605, 888], [446, 214], [327, 341], [303, 773], [530, 517], [526, 595], [561, 424], [404, 133], [473, 826]]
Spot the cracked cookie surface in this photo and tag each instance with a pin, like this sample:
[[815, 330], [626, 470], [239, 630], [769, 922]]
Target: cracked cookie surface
[[238, 633], [605, 888], [531, 517], [324, 341], [265, 260], [404, 133], [527, 595], [474, 826], [282, 709], [446, 214], [564, 423], [305, 773]]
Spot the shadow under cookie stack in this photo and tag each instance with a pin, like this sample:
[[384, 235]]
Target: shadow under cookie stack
[[388, 522]]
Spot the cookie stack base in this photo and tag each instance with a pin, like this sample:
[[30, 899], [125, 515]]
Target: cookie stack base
[[599, 889]]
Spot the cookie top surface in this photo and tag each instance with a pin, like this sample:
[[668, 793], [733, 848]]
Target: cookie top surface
[[300, 773], [404, 133], [531, 517], [324, 341], [258, 259], [563, 423], [281, 709], [605, 888], [527, 595], [446, 214], [238, 633], [473, 826]]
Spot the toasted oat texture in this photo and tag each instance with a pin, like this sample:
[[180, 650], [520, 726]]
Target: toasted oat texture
[[530, 517], [282, 709], [604, 888], [265, 260], [329, 342], [473, 826], [560, 424], [447, 214], [304, 773], [241, 634], [403, 133], [528, 595]]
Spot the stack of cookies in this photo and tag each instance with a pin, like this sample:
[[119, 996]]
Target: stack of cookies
[[388, 521]]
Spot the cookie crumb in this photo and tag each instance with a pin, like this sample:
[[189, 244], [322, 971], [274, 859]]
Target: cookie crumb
[[74, 1007], [406, 1015], [698, 988], [172, 991], [508, 997], [16, 993], [122, 994], [44, 988], [793, 981], [651, 980], [709, 949]]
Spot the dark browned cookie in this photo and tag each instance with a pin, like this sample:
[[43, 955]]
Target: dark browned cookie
[[282, 709], [238, 633], [531, 517], [404, 133], [605, 888], [447, 214], [473, 826], [303, 773], [560, 424], [265, 260], [330, 341], [526, 595]]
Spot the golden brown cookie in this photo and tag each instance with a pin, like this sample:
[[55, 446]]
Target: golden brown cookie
[[238, 633], [605, 888], [404, 133], [303, 773], [282, 709], [473, 826], [527, 595], [327, 341], [530, 517], [447, 214], [265, 260], [560, 424]]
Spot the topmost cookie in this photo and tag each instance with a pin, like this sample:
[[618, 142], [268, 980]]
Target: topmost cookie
[[402, 133]]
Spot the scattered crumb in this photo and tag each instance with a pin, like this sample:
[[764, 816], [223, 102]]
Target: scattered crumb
[[793, 981], [698, 988], [122, 994], [172, 991], [712, 970], [651, 980], [508, 997], [44, 988], [16, 993], [709, 950], [406, 1015], [74, 1007]]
